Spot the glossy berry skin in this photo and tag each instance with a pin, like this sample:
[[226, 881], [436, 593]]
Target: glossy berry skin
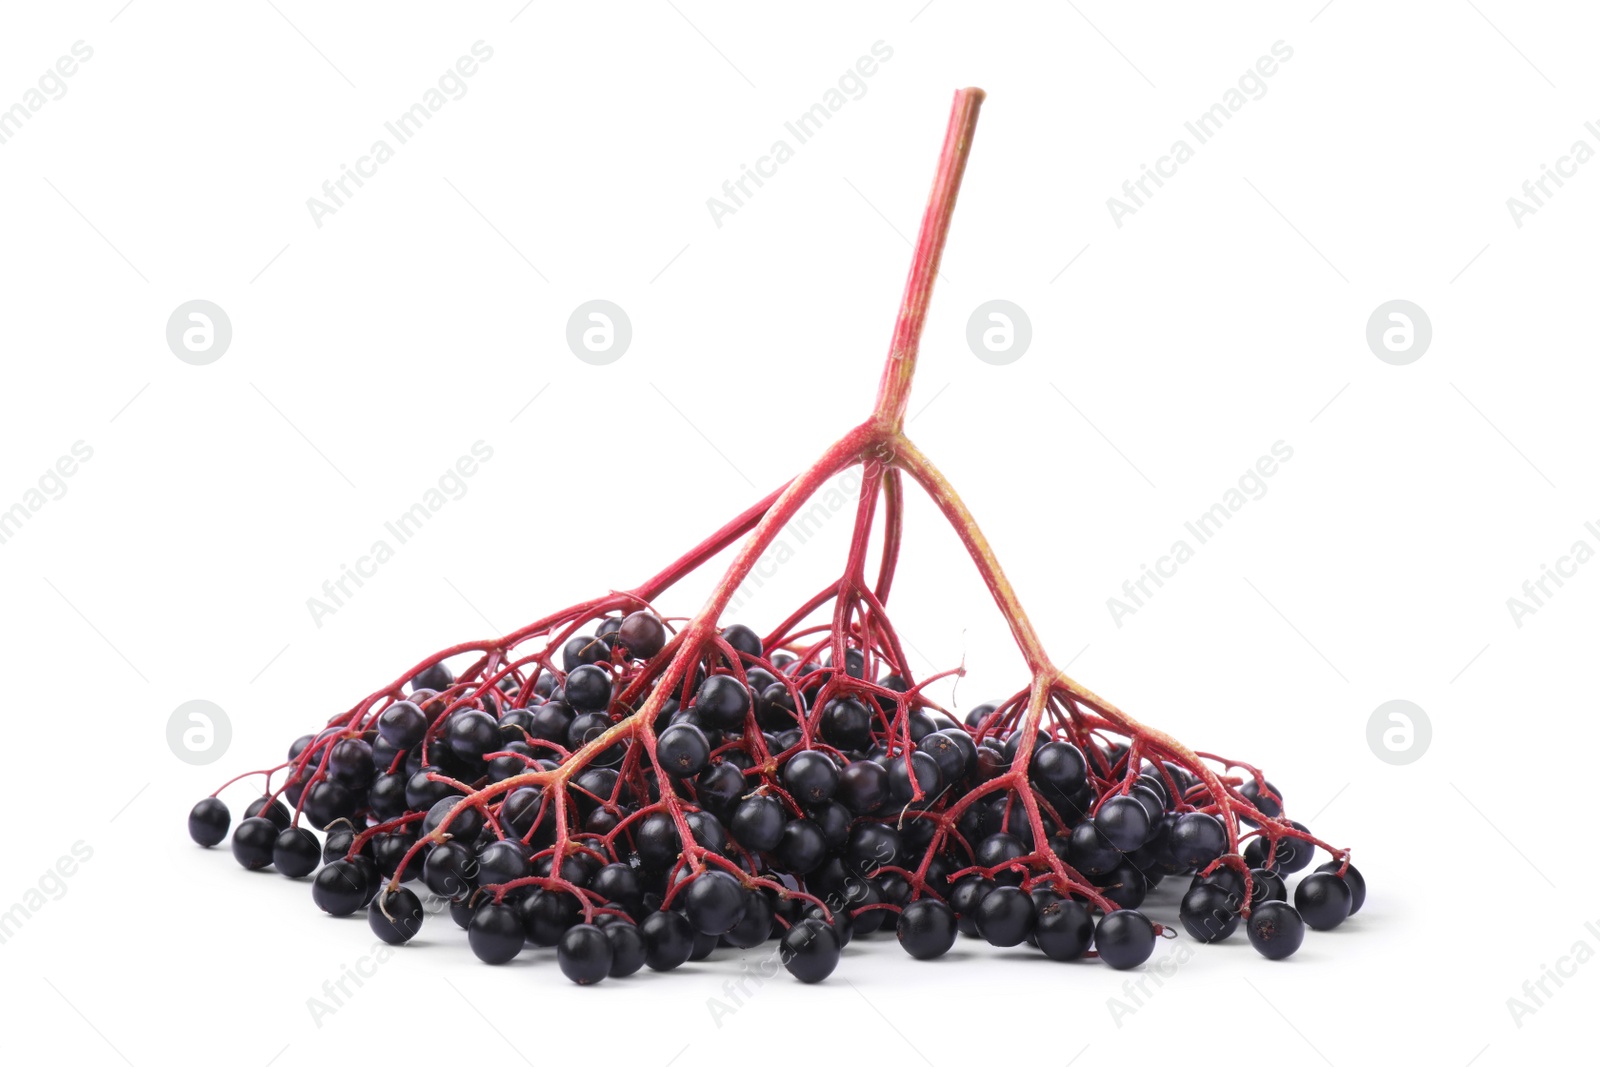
[[450, 869], [810, 777], [403, 725], [340, 888], [668, 940], [743, 639], [755, 923], [683, 750], [810, 950], [721, 702], [863, 787], [1352, 878], [642, 634], [1271, 806], [295, 852], [503, 861], [1063, 930], [1275, 929], [275, 812], [758, 823], [1125, 939], [253, 841], [965, 897], [802, 848], [929, 780], [1006, 917], [208, 822], [435, 677], [589, 688], [1197, 839], [1001, 848], [582, 649], [473, 735], [714, 902], [627, 948], [926, 928], [1265, 885], [1208, 913], [584, 954], [1090, 852], [1123, 821], [1058, 766], [1323, 900], [395, 916], [495, 933]]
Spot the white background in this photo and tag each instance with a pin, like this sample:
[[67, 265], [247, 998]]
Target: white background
[[368, 354]]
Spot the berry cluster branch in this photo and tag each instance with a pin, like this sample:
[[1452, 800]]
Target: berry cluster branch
[[630, 791]]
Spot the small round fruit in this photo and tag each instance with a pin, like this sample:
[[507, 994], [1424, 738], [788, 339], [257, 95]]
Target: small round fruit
[[1353, 879], [340, 888], [714, 902], [584, 954], [589, 688], [683, 750], [403, 725], [926, 928], [1323, 900], [495, 933], [1064, 929], [810, 777], [627, 948], [253, 841], [395, 916], [1124, 822], [1125, 939], [295, 852], [668, 940], [810, 950], [208, 822], [1275, 929], [1208, 914], [1006, 917], [1197, 839], [758, 822], [642, 634]]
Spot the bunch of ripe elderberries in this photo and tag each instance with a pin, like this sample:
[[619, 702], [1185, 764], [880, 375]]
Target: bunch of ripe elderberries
[[773, 796], [634, 790]]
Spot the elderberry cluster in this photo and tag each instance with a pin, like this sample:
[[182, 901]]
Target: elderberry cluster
[[774, 795]]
